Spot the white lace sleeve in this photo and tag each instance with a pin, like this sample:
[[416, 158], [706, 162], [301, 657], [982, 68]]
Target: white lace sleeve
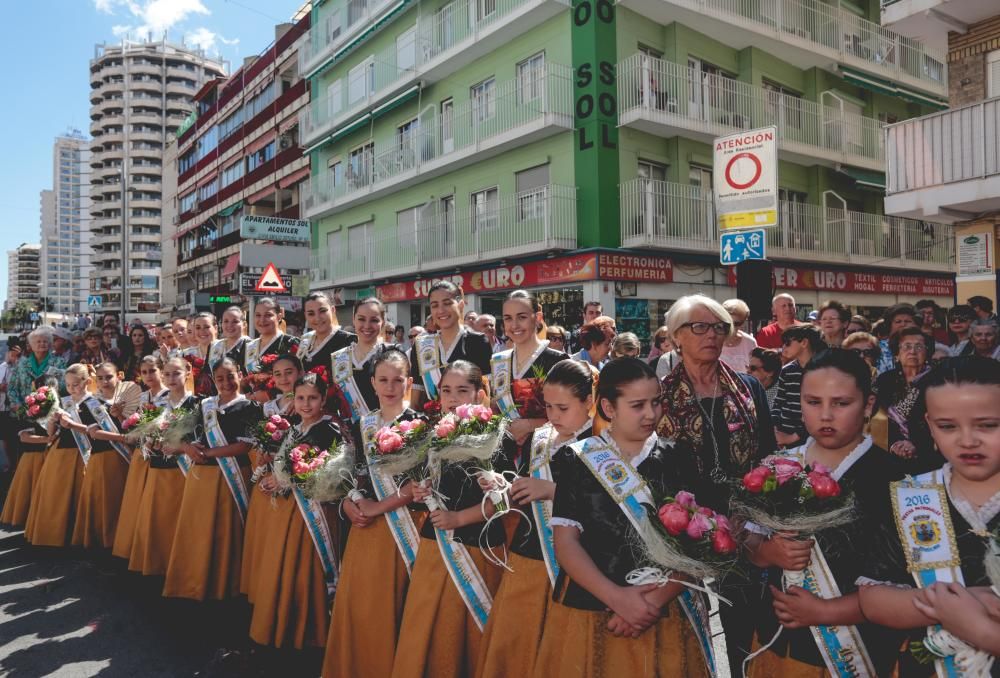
[[566, 522]]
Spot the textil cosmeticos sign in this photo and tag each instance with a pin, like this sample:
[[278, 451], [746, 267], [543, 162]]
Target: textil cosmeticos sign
[[788, 278], [559, 271]]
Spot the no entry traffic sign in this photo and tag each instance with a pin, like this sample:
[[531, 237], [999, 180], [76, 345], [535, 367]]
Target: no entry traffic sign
[[746, 190]]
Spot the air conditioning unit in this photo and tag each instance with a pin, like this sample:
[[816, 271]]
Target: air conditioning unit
[[285, 142]]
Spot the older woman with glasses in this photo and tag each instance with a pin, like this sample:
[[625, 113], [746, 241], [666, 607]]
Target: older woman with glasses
[[765, 364], [557, 337], [37, 365], [724, 416], [960, 329], [897, 395]]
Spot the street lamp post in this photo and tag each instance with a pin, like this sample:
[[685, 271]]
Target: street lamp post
[[124, 275]]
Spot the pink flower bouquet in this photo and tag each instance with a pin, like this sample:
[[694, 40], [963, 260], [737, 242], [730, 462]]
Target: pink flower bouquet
[[39, 404]]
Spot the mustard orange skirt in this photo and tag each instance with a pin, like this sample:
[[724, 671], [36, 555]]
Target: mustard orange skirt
[[156, 521], [136, 480], [290, 604], [254, 537], [438, 637], [54, 498], [577, 644], [208, 542], [368, 607], [514, 630], [15, 508], [100, 500]]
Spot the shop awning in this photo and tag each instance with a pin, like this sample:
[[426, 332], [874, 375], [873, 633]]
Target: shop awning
[[387, 16], [232, 265], [882, 86], [260, 195], [343, 131], [294, 178], [261, 142], [288, 123], [865, 178], [229, 211], [396, 101]]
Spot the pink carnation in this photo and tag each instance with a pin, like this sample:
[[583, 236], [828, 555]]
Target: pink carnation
[[275, 419], [34, 410], [483, 413], [463, 411], [444, 428], [43, 390], [786, 469], [390, 441], [30, 400], [407, 426], [270, 427], [283, 425], [276, 436], [685, 499], [698, 526]]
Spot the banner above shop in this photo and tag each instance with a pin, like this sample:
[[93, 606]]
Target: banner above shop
[[800, 278], [542, 273]]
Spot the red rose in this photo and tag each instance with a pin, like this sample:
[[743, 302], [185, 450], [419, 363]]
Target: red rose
[[824, 486], [269, 359], [723, 542], [674, 518], [754, 480], [432, 407], [294, 350]]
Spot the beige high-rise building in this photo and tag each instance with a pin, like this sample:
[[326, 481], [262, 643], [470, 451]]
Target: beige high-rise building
[[140, 94], [22, 275], [65, 227]]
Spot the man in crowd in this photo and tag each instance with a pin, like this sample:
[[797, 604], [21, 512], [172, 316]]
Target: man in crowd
[[592, 310], [896, 317], [487, 324], [180, 328], [470, 319], [984, 339], [8, 421], [799, 345], [983, 307], [928, 312], [783, 310]]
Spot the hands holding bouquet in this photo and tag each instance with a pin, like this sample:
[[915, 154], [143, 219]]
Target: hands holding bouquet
[[39, 405]]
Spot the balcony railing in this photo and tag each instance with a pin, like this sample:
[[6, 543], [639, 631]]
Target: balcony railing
[[682, 217], [536, 220], [525, 104], [334, 32], [447, 32], [818, 24], [673, 95], [943, 148]]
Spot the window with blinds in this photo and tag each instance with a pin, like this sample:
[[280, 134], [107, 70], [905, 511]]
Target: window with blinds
[[993, 74]]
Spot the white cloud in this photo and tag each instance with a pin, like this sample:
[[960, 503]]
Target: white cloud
[[153, 17], [208, 40]]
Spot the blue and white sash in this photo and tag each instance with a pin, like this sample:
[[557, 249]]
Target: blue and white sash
[[104, 420], [216, 352], [503, 374], [466, 576], [628, 489], [401, 526], [228, 465], [183, 461], [342, 363], [255, 352], [541, 455], [427, 348], [923, 519], [319, 531], [82, 441], [306, 344]]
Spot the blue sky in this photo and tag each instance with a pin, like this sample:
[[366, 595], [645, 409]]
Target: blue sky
[[45, 82]]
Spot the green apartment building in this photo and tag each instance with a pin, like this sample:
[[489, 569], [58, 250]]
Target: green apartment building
[[567, 148]]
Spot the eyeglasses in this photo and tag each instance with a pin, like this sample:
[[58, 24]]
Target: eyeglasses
[[915, 348], [720, 329], [556, 337], [960, 319], [863, 352]]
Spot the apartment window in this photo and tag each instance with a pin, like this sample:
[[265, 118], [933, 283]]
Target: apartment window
[[483, 98], [532, 190], [359, 166], [357, 242], [792, 206], [484, 209], [337, 172], [406, 49], [993, 74], [784, 105], [530, 78], [333, 26], [208, 142], [187, 202], [335, 97], [361, 81], [231, 124], [486, 8], [208, 190], [232, 173], [406, 224], [259, 101], [255, 160]]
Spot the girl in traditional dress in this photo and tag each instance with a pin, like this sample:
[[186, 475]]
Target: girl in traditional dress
[[452, 584], [285, 371], [156, 516], [514, 629], [270, 342], [517, 373], [374, 575], [208, 544], [938, 534], [150, 372], [600, 624], [104, 480], [824, 630], [34, 441], [452, 341], [204, 331], [352, 365], [290, 593], [326, 337], [53, 501], [233, 343]]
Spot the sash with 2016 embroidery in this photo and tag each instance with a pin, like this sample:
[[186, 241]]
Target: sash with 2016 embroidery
[[923, 519], [541, 455], [252, 358], [502, 376], [82, 441], [429, 362], [104, 420], [228, 465], [342, 363], [401, 526], [628, 489]]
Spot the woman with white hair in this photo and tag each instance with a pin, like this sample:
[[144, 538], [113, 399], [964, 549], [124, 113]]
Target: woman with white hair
[[737, 348], [723, 415], [38, 365]]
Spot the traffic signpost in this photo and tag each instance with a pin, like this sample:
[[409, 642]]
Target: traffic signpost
[[745, 181], [94, 301], [737, 246]]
